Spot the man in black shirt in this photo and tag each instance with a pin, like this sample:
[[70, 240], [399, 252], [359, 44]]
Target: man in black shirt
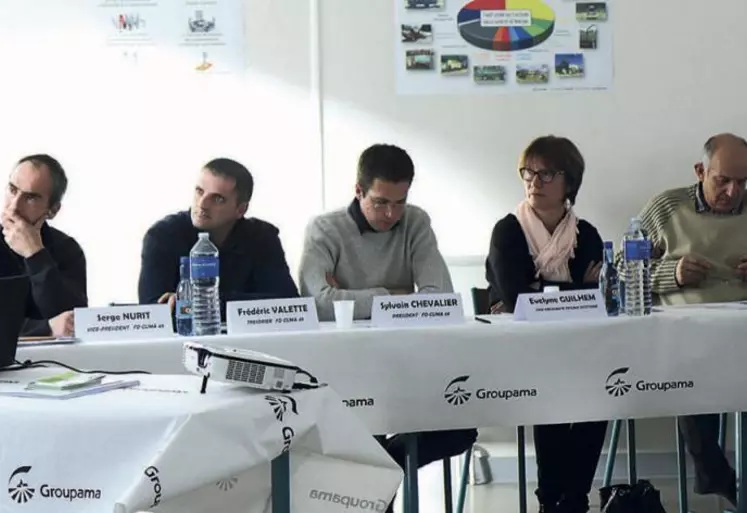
[[252, 261], [53, 261]]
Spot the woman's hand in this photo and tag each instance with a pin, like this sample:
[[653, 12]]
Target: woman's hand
[[592, 272], [498, 308]]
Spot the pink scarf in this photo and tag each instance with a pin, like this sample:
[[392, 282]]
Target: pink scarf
[[550, 252]]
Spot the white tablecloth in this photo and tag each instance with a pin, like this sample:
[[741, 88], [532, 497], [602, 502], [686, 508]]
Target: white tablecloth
[[163, 443], [682, 361]]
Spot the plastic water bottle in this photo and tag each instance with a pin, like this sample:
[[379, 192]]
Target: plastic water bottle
[[609, 282], [637, 259], [184, 300], [204, 277]]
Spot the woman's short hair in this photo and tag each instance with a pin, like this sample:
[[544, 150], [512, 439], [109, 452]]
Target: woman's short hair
[[559, 154]]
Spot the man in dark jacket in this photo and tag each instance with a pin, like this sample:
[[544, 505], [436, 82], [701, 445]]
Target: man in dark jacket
[[53, 261], [252, 261]]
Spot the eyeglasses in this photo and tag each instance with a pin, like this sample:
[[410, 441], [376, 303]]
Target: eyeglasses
[[387, 206], [545, 175]]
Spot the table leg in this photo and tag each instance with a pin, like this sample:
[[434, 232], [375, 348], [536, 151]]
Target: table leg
[[280, 482], [448, 498], [741, 444], [464, 481], [681, 469], [609, 468], [723, 427], [522, 467], [410, 496], [632, 471]]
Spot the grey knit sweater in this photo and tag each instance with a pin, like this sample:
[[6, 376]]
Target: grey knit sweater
[[368, 263]]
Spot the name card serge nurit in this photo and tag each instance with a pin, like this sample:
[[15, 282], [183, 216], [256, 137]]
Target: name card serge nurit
[[417, 309], [123, 322], [271, 315], [558, 306]]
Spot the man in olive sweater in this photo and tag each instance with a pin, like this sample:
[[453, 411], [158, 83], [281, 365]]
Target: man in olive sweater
[[701, 234], [378, 246]]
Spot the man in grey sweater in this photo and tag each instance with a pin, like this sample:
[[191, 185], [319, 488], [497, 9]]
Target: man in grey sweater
[[379, 246]]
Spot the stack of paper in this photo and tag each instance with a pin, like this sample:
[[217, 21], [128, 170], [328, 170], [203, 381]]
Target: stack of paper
[[65, 385], [66, 381]]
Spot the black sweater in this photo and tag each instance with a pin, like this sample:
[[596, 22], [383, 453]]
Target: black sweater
[[57, 274], [252, 261], [510, 270]]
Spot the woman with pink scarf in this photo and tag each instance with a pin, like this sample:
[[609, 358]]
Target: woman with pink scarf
[[543, 243]]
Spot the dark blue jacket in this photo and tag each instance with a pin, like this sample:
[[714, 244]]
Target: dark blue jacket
[[252, 261]]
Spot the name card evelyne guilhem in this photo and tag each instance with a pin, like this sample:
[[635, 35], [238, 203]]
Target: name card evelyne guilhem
[[417, 309], [123, 322], [271, 315], [560, 306]]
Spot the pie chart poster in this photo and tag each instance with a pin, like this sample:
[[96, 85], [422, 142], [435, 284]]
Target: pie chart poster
[[503, 46]]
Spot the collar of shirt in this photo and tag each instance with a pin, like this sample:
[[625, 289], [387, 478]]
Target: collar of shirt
[[702, 206], [236, 241], [360, 220]]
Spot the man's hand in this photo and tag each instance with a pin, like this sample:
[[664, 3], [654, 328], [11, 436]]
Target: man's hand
[[332, 281], [169, 298], [63, 325], [742, 268], [592, 272], [691, 271], [400, 292], [21, 236]]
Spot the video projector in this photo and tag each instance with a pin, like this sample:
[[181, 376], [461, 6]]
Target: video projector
[[240, 367]]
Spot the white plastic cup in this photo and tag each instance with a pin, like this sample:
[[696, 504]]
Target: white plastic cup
[[344, 313], [549, 289]]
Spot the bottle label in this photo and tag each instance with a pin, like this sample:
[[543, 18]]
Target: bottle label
[[183, 309], [203, 267], [637, 250], [609, 256]]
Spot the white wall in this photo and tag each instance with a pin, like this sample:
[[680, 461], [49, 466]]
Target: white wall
[[132, 143], [674, 86]]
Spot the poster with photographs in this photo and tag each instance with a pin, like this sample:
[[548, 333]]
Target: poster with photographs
[[192, 36], [503, 46]]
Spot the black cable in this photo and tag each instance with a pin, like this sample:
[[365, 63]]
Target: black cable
[[18, 366], [305, 386], [313, 382], [312, 379], [28, 364], [42, 363]]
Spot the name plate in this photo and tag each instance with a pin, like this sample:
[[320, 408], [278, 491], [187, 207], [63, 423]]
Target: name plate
[[417, 309], [560, 306], [123, 322], [271, 315]]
